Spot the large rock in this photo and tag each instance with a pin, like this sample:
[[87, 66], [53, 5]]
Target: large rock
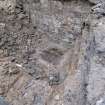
[[96, 77]]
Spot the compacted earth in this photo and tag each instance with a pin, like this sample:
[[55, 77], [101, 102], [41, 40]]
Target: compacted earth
[[52, 52]]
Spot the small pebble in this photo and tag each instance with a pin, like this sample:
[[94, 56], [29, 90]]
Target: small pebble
[[18, 65], [57, 97], [99, 102]]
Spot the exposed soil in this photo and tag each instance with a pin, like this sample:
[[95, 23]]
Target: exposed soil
[[46, 49]]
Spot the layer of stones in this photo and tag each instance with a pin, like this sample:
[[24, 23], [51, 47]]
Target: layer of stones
[[52, 52]]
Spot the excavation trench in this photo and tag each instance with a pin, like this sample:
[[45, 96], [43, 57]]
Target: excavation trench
[[43, 41]]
